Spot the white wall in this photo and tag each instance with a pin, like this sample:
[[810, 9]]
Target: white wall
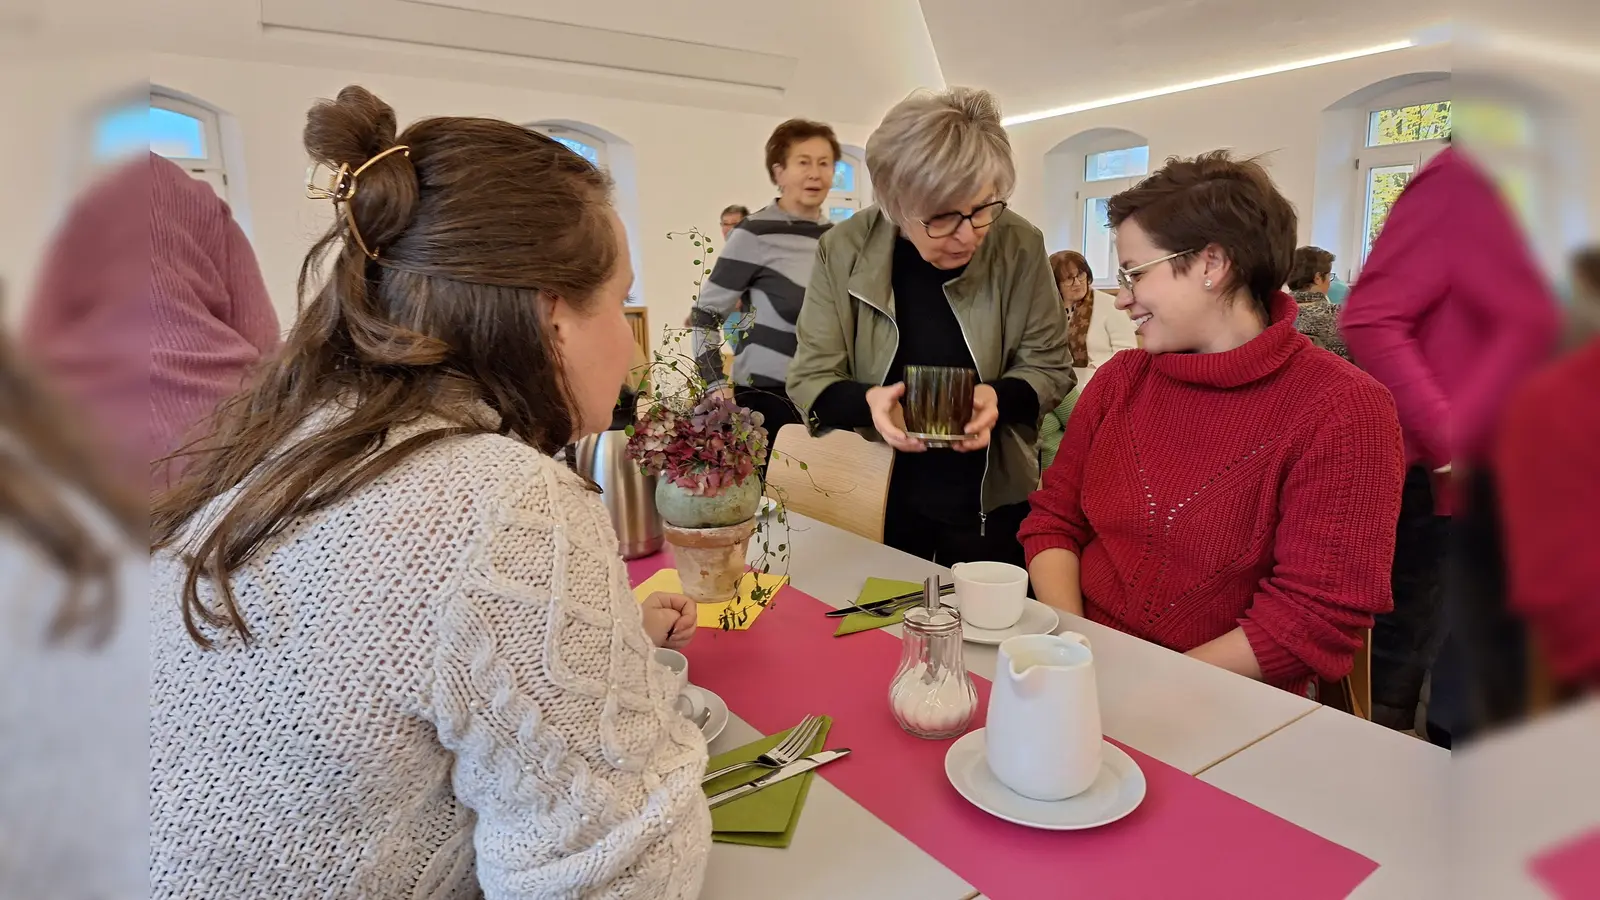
[[691, 161], [52, 90], [1278, 115]]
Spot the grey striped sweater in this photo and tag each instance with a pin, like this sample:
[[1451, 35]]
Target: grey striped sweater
[[769, 258]]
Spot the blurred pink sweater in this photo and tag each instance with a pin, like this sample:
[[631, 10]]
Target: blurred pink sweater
[[1450, 311], [150, 310]]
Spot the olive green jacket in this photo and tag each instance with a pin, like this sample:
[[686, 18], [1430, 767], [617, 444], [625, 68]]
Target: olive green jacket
[[1006, 301]]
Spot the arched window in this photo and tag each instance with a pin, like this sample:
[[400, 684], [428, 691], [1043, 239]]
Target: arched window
[[1373, 141], [589, 146], [186, 132], [611, 153], [850, 192], [190, 135], [1400, 139], [1082, 174]]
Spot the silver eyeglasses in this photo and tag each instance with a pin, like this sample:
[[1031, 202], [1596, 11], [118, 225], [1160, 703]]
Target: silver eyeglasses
[[1125, 277]]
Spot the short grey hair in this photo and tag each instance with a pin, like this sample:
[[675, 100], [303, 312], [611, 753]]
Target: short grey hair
[[935, 149]]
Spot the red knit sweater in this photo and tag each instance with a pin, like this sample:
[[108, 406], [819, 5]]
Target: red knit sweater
[[1257, 487], [1549, 452]]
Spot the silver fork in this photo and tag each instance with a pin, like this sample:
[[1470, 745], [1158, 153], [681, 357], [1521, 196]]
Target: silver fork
[[790, 749]]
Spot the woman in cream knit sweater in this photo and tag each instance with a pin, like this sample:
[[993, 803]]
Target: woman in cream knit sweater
[[394, 650]]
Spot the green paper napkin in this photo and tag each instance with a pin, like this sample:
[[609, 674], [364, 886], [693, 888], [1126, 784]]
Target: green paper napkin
[[876, 589], [767, 817]]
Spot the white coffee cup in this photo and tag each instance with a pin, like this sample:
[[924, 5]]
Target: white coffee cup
[[990, 595], [678, 664]]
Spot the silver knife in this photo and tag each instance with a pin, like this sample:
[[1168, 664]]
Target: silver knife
[[798, 767], [913, 598]]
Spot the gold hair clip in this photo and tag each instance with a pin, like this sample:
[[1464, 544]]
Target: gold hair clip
[[342, 189]]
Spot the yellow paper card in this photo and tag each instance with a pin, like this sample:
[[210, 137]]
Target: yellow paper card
[[735, 615]]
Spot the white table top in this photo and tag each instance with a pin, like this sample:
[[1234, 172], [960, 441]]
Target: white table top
[[1267, 746], [1184, 712], [1520, 794], [839, 850], [1379, 792]]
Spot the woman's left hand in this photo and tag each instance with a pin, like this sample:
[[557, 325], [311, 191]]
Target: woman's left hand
[[669, 619], [985, 413]]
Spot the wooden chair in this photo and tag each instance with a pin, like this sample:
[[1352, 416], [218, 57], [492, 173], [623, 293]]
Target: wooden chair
[[845, 481], [1352, 693]]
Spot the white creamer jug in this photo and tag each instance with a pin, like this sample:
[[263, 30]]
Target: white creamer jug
[[1043, 734]]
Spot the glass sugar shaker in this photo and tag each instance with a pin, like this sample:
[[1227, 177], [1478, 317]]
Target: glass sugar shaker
[[932, 695]]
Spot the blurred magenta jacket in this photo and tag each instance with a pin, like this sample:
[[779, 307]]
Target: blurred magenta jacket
[[149, 311], [1450, 311]]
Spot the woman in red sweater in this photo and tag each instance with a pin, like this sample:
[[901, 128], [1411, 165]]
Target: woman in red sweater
[[1230, 491]]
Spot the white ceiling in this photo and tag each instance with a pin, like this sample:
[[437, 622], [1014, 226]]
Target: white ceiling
[[844, 61], [840, 60], [1041, 54]]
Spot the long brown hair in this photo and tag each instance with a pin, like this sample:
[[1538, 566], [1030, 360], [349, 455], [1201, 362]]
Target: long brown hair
[[43, 457], [1063, 263], [472, 226]]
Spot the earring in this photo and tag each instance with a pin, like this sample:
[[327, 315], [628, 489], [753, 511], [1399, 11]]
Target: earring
[[1208, 284]]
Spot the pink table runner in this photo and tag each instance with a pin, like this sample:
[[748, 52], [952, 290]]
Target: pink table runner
[[1187, 839], [1570, 871]]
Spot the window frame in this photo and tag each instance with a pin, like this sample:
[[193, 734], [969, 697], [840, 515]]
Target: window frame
[[213, 167], [1087, 193], [1074, 155], [1364, 207], [587, 138], [1366, 140], [852, 199], [1130, 176], [1416, 154]]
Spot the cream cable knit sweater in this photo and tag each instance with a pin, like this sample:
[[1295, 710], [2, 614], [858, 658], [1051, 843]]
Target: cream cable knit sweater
[[450, 687]]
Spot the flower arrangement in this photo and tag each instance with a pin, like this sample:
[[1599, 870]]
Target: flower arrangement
[[701, 440], [702, 449]]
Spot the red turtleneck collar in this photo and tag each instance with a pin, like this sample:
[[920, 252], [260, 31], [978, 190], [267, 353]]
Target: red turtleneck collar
[[1254, 360]]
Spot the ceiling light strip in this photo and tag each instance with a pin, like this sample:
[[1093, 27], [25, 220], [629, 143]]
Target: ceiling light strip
[[1207, 82]]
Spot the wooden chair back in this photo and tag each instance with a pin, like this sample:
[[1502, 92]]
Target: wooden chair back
[[1352, 693], [845, 481]]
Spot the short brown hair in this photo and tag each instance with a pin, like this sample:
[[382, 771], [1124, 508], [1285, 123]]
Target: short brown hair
[[1064, 262], [792, 132], [1310, 263], [1190, 204]]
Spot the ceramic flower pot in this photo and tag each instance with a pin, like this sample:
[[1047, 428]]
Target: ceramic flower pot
[[730, 506], [711, 561], [710, 536]]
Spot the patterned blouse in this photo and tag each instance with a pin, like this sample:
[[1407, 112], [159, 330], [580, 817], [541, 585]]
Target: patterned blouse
[[1318, 320]]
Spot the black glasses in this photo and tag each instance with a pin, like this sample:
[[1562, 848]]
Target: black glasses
[[945, 224]]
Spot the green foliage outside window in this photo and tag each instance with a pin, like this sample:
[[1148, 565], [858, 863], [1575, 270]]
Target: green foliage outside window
[[1405, 124]]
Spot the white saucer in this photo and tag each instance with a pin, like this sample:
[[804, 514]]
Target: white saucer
[[1037, 618], [768, 506], [1117, 791], [702, 699]]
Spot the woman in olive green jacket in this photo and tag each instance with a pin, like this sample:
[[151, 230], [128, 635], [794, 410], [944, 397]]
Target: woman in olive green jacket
[[939, 273]]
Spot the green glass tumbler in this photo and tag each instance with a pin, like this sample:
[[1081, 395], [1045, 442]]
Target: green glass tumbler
[[938, 403]]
